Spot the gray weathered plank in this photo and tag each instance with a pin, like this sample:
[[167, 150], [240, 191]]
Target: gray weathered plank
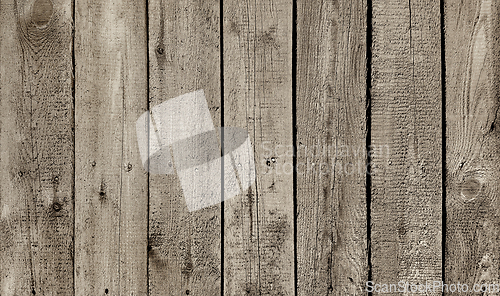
[[185, 247], [258, 233], [331, 147], [406, 142], [111, 197], [36, 148], [472, 138]]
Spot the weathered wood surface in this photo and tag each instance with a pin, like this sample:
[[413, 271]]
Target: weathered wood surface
[[332, 254], [184, 56], [259, 224], [406, 136], [36, 148], [111, 184], [472, 140], [79, 214]]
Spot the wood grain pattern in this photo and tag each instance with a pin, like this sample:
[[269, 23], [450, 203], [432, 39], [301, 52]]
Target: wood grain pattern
[[472, 139], [79, 214], [185, 247], [406, 142], [258, 234], [331, 152], [36, 148], [111, 184]]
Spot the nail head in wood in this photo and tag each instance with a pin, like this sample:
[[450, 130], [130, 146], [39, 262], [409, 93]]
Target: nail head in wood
[[56, 206]]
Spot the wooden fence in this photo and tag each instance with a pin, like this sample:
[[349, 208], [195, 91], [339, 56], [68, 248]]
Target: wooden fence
[[387, 110]]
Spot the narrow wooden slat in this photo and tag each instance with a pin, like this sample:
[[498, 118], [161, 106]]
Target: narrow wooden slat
[[472, 140], [258, 234], [406, 142], [36, 148], [111, 184], [185, 247], [331, 147]]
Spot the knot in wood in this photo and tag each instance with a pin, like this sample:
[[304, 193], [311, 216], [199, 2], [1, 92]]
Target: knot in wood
[[41, 12], [470, 189]]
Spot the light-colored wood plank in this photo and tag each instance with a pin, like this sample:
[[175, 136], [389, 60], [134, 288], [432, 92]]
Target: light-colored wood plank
[[259, 223], [406, 201], [36, 148], [472, 139], [332, 254], [111, 184], [185, 247]]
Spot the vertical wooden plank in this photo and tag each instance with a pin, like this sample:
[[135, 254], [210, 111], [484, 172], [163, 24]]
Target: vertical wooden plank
[[406, 142], [36, 148], [332, 249], [472, 139], [259, 223], [111, 184], [184, 256]]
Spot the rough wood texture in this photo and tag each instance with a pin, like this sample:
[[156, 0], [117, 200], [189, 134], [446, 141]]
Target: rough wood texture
[[406, 142], [79, 214], [185, 247], [111, 184], [472, 140], [331, 144], [36, 148], [258, 234]]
